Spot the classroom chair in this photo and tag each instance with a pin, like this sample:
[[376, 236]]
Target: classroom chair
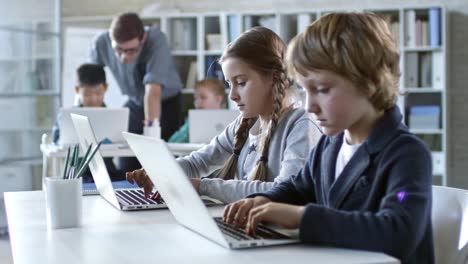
[[450, 224]]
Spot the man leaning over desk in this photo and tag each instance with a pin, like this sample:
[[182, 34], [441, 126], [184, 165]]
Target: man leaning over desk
[[141, 62]]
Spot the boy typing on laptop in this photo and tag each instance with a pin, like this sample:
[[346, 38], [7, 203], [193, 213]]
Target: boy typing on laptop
[[91, 88]]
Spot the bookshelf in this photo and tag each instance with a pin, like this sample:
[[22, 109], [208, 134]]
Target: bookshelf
[[419, 31]]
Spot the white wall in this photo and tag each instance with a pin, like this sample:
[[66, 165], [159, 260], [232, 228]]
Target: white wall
[[14, 10], [457, 49]]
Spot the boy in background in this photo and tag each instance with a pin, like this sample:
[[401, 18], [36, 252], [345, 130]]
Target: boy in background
[[209, 94], [91, 88]]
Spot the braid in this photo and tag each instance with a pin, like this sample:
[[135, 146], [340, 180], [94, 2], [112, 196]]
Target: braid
[[229, 169], [279, 92]]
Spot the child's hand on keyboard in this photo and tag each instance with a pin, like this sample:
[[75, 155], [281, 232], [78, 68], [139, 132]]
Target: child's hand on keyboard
[[141, 178], [236, 213], [284, 215]]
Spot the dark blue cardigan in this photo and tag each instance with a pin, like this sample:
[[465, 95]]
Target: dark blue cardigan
[[380, 202]]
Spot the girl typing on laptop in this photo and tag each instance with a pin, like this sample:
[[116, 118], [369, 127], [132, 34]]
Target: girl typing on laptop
[[268, 142]]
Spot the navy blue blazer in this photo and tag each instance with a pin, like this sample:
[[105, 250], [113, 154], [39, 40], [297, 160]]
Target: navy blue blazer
[[380, 202]]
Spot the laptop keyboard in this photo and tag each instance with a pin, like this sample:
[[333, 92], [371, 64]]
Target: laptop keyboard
[[134, 197], [237, 233]]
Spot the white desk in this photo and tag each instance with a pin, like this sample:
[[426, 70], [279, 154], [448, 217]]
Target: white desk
[[56, 154], [111, 236]]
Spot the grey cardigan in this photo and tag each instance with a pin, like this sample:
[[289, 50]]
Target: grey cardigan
[[294, 137]]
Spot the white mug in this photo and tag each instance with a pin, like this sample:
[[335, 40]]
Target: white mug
[[63, 202]]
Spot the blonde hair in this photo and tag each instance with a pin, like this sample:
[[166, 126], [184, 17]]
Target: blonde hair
[[214, 85], [358, 47], [263, 50]]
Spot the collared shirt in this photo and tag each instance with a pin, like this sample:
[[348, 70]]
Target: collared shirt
[[153, 65]]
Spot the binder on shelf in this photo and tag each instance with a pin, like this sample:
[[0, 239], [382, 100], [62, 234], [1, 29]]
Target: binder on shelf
[[192, 75], [434, 26], [438, 163], [395, 30], [234, 29], [411, 70], [410, 28], [287, 27], [424, 117], [418, 33], [438, 74], [184, 34], [213, 41], [425, 63]]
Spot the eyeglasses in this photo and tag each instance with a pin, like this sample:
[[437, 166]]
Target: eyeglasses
[[129, 51]]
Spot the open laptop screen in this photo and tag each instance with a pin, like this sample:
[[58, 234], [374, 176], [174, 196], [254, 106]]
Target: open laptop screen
[[108, 123]]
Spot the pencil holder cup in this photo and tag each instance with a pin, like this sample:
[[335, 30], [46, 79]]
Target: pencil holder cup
[[63, 202]]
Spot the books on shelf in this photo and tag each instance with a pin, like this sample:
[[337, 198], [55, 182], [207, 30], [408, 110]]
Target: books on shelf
[[287, 27], [213, 41], [411, 69], [410, 28], [192, 75], [234, 29], [425, 72], [424, 117], [438, 163], [184, 34], [438, 73], [434, 26], [45, 111], [423, 28]]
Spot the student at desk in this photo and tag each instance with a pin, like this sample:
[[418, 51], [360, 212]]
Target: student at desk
[[209, 94], [268, 142], [367, 183], [91, 88]]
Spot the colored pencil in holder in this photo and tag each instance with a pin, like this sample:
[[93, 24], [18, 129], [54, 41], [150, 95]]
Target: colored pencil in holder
[[66, 164], [88, 159]]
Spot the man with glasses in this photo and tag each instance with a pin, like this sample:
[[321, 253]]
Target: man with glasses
[[141, 62]]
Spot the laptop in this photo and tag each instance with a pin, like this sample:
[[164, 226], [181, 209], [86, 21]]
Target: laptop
[[204, 125], [185, 204], [122, 199], [108, 123]]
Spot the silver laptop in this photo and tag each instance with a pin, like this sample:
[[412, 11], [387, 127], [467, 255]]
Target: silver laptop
[[122, 199], [108, 123], [185, 204], [204, 125]]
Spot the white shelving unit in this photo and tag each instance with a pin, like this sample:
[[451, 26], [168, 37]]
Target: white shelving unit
[[201, 37], [29, 94]]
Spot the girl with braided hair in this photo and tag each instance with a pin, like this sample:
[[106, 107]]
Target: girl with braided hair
[[268, 142]]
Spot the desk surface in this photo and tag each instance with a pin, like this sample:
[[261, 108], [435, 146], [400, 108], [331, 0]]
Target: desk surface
[[111, 236], [119, 150]]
